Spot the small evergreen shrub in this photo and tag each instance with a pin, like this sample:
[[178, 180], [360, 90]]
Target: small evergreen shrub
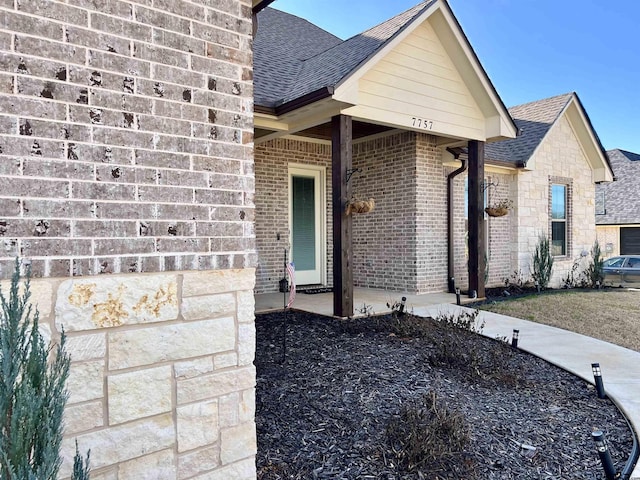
[[32, 392], [595, 270], [542, 262]]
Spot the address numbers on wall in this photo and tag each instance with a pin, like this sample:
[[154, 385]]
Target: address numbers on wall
[[422, 123]]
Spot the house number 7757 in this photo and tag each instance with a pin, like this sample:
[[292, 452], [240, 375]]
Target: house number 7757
[[422, 123]]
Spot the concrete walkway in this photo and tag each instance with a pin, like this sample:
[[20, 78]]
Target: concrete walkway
[[572, 352]]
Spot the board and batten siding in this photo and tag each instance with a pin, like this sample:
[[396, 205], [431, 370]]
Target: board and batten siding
[[416, 85]]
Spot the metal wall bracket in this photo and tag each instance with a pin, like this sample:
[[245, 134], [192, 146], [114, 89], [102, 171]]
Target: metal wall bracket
[[351, 172]]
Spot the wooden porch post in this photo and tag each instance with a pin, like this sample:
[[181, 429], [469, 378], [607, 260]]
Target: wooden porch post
[[341, 154], [476, 218]]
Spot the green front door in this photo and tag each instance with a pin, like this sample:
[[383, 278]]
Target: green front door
[[306, 224]]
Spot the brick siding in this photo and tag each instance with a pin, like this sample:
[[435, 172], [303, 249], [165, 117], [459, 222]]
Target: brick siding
[[126, 150], [126, 136], [401, 245], [272, 205]]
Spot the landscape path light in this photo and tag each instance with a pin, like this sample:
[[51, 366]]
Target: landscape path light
[[514, 338], [402, 305], [604, 454], [597, 377]]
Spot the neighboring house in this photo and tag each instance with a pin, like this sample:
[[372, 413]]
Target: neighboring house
[[618, 206], [126, 184], [550, 172], [420, 104]]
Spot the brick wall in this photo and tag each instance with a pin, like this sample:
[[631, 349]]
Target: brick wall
[[398, 246], [272, 205], [127, 185], [125, 136], [499, 230], [384, 241], [431, 205]]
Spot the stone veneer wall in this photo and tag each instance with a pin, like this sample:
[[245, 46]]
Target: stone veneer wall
[[609, 239], [127, 185], [272, 204], [559, 157], [162, 377]]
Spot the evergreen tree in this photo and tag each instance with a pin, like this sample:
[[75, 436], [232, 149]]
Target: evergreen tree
[[32, 391]]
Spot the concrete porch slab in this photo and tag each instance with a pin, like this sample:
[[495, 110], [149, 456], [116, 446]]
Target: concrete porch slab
[[366, 301]]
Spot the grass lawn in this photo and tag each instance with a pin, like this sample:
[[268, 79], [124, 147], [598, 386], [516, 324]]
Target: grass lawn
[[610, 315]]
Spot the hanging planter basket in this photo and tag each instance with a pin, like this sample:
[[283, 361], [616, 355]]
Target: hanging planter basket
[[496, 211], [359, 206]]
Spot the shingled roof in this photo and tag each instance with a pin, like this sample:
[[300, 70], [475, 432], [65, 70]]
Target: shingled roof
[[293, 57], [619, 200], [533, 119], [282, 44]]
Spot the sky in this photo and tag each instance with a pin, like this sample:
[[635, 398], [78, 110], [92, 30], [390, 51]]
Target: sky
[[531, 49]]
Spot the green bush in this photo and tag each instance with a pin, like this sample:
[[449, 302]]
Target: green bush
[[595, 270], [542, 262], [32, 391]]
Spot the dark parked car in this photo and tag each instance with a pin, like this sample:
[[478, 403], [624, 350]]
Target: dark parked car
[[622, 271]]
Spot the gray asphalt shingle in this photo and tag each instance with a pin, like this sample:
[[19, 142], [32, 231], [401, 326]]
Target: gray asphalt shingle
[[283, 42], [533, 119], [293, 57], [621, 198]]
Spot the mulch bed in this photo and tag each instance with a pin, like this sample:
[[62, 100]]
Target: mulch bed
[[339, 406]]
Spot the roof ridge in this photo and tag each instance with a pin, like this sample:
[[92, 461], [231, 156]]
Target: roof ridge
[[541, 100], [424, 4], [622, 150], [282, 12], [420, 7]]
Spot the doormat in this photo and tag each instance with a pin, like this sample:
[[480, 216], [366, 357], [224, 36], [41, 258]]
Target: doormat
[[313, 291]]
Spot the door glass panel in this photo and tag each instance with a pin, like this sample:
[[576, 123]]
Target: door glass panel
[[304, 221]]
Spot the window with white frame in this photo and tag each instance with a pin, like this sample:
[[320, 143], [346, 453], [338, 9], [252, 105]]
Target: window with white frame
[[559, 217]]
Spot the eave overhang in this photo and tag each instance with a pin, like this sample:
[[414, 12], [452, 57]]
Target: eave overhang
[[260, 5]]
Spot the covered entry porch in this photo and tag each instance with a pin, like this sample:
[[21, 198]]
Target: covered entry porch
[[374, 117]]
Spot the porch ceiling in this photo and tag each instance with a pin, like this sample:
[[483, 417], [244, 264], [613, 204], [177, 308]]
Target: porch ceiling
[[323, 131]]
